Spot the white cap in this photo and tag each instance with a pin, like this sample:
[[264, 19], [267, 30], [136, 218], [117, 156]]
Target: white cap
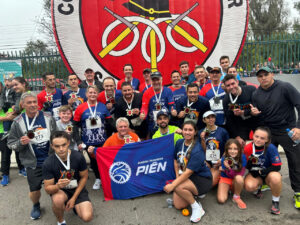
[[208, 113]]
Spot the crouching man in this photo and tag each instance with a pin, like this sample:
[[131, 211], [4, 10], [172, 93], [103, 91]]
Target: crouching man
[[65, 175]]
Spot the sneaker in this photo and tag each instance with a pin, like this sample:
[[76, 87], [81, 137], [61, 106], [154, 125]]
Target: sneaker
[[202, 196], [35, 212], [258, 194], [5, 180], [97, 184], [265, 187], [275, 208], [297, 201], [23, 172], [240, 203], [197, 214]]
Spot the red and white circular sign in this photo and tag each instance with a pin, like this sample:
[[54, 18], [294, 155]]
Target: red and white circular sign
[[158, 34]]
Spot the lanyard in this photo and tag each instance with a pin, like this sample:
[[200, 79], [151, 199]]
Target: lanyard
[[29, 126], [253, 151], [6, 93], [188, 104], [213, 88], [107, 99], [93, 114], [67, 167], [158, 99], [233, 100], [76, 91], [129, 105], [185, 152], [130, 81]]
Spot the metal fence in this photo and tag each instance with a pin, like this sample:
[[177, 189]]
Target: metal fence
[[283, 49]]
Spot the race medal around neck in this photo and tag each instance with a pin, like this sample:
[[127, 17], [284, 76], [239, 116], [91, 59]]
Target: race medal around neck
[[129, 112], [158, 107], [69, 128], [30, 134], [49, 98], [93, 121], [187, 110], [254, 160], [230, 161], [217, 100], [112, 100], [127, 139], [74, 95]]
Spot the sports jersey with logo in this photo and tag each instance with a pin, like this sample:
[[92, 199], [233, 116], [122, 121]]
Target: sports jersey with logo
[[143, 87], [178, 92], [104, 100], [89, 135]]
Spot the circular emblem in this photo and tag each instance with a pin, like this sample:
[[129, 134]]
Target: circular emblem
[[120, 172], [158, 34]]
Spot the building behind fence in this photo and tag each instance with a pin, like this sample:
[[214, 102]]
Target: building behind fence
[[283, 49]]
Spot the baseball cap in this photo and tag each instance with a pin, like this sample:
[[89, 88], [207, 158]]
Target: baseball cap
[[88, 70], [217, 69], [156, 74], [162, 112], [265, 68], [147, 70], [9, 76], [208, 113]]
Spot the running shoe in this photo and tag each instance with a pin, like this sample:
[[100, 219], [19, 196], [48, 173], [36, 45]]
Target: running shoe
[[258, 194], [35, 212], [5, 180], [265, 187], [97, 184], [197, 214], [239, 202], [23, 172], [275, 208], [297, 201]]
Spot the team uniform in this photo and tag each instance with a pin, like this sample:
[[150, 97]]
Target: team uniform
[[53, 101], [171, 130], [215, 95], [193, 111], [143, 87], [104, 99], [79, 96], [201, 177], [178, 92], [153, 102], [135, 83], [215, 144], [202, 85]]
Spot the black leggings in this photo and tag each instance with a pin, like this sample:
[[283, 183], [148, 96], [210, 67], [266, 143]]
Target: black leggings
[[203, 184]]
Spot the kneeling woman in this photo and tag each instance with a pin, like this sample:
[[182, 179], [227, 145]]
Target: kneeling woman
[[264, 164], [193, 177]]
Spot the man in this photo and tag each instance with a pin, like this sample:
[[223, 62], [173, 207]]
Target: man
[[186, 78], [200, 76], [164, 128], [232, 70], [65, 175], [177, 88], [8, 95], [236, 104], [29, 135], [75, 96], [129, 106], [128, 71], [50, 99], [155, 99], [274, 101], [192, 106], [147, 84], [224, 63], [90, 80], [215, 94], [110, 95], [123, 136]]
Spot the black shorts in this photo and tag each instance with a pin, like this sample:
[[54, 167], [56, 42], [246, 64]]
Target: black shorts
[[34, 178], [203, 184], [82, 197]]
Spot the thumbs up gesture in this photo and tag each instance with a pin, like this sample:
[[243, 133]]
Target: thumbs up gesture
[[142, 115], [254, 110], [173, 111]]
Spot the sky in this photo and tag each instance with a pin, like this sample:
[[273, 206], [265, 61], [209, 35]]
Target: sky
[[18, 22]]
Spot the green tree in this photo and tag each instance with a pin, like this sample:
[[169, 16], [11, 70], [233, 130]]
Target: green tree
[[37, 47], [268, 16], [296, 24]]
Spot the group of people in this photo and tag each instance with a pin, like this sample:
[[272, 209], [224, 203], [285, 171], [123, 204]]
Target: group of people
[[210, 112]]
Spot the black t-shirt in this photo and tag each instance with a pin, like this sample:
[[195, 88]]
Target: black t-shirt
[[53, 168]]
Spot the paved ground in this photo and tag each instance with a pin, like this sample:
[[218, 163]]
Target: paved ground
[[15, 208]]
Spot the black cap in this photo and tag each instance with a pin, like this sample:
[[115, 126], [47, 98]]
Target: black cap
[[162, 112], [147, 70], [88, 70], [215, 69], [156, 74]]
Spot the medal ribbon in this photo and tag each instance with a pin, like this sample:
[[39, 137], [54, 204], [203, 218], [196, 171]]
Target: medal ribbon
[[29, 126], [93, 114], [107, 99], [6, 94], [183, 153], [213, 88], [188, 104], [129, 105], [67, 167], [253, 151], [158, 99]]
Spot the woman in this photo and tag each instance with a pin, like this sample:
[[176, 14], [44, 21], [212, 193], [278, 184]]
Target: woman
[[213, 139], [20, 86], [264, 165], [96, 125], [193, 177]]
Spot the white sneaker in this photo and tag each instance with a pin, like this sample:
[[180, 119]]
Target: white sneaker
[[197, 214], [97, 184]]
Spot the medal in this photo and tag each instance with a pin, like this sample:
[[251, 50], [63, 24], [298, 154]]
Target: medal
[[187, 110], [93, 121], [230, 161], [254, 160], [69, 128], [112, 100], [216, 93], [74, 95], [217, 100], [129, 112], [158, 107], [127, 139], [69, 175], [30, 134], [49, 98]]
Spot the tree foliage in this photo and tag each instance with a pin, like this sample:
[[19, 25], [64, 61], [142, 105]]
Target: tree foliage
[[268, 16], [37, 47], [296, 24]]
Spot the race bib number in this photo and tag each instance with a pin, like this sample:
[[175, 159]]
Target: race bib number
[[90, 124], [40, 136], [212, 155], [216, 105], [55, 112], [73, 184]]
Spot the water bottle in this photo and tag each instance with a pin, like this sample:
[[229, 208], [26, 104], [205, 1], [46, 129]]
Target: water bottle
[[170, 202], [290, 133]]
